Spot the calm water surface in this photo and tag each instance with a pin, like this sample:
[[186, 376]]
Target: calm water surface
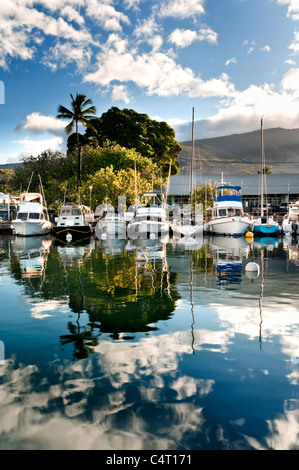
[[149, 345]]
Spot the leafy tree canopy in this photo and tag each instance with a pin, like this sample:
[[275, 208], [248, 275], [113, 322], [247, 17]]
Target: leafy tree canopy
[[129, 129]]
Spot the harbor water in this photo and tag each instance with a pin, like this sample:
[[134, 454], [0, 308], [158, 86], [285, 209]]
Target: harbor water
[[149, 345]]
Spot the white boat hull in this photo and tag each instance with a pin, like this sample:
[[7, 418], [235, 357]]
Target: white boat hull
[[187, 230], [228, 226], [28, 228], [112, 228], [147, 229]]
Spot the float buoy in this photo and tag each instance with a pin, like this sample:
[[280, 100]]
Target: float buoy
[[252, 270]]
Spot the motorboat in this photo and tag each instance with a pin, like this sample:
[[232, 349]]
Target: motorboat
[[150, 219], [111, 225], [32, 218], [8, 212], [72, 224], [227, 216], [290, 223]]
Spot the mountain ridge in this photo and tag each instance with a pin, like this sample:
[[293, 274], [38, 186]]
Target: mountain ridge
[[240, 153]]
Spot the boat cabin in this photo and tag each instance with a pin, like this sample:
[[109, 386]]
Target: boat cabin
[[226, 212], [71, 215], [28, 213]]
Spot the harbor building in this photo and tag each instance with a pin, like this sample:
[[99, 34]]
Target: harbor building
[[279, 188]]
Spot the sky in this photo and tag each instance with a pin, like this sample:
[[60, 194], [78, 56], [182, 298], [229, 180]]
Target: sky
[[233, 61]]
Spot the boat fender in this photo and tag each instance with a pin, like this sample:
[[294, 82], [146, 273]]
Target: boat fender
[[68, 237], [249, 235]]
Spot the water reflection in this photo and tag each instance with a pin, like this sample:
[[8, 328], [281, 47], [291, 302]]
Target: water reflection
[[149, 345]]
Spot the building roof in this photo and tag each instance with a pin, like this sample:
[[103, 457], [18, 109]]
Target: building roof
[[275, 183]]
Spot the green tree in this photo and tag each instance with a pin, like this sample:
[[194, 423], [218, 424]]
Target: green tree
[[205, 194], [54, 169], [109, 184], [266, 170], [81, 112], [129, 129]]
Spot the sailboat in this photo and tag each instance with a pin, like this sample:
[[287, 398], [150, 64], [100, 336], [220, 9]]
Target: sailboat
[[189, 227], [264, 225]]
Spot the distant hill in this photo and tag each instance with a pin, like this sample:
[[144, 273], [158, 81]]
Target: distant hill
[[9, 166], [240, 153]]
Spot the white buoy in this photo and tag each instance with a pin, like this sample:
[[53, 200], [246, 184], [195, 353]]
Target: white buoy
[[252, 270], [68, 237]]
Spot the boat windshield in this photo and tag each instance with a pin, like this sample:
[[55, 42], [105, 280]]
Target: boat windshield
[[230, 212], [22, 215], [70, 211]]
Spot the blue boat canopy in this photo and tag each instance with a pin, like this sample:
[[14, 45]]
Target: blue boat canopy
[[228, 186]]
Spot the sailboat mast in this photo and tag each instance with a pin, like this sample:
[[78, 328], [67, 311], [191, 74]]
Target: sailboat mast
[[192, 161], [262, 169]]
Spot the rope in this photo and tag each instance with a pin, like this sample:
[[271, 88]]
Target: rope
[[73, 230]]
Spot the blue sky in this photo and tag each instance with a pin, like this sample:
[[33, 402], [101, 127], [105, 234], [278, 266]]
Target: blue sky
[[232, 60]]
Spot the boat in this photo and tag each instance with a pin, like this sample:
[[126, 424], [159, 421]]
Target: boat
[[71, 223], [264, 224], [150, 219], [290, 223], [8, 212], [32, 218], [188, 224], [112, 225], [227, 216]]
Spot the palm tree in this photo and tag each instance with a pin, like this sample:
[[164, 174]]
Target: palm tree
[[81, 112]]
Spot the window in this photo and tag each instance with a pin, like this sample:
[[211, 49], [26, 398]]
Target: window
[[222, 212], [22, 215], [34, 215]]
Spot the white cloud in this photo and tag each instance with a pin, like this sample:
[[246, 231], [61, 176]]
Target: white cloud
[[266, 48], [294, 46], [155, 72], [106, 15], [182, 8], [36, 123], [233, 60], [207, 34], [120, 93], [290, 81], [35, 147], [293, 8], [182, 37]]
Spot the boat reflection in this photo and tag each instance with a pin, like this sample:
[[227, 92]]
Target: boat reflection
[[228, 254], [32, 253]]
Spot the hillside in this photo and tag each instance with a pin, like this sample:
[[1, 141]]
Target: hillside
[[240, 153]]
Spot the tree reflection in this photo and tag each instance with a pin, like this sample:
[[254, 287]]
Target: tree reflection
[[120, 295], [82, 339]]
